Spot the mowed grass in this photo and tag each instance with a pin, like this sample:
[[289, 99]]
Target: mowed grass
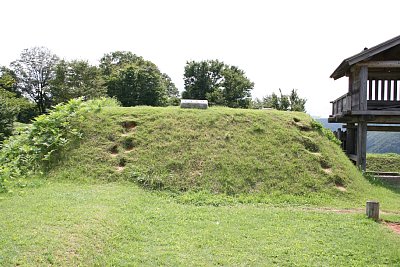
[[120, 224]]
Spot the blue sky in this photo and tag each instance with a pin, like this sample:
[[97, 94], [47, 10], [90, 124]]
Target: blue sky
[[279, 44]]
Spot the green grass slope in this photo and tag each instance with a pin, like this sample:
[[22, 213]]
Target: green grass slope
[[383, 162], [253, 155]]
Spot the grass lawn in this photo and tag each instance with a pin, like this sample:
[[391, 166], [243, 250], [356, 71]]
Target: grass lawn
[[120, 224]]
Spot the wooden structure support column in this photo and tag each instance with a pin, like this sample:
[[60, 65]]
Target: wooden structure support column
[[351, 139], [362, 145]]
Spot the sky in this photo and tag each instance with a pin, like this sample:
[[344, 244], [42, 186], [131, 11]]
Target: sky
[[287, 44]]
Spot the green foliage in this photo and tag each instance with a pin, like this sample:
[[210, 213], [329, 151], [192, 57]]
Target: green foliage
[[136, 85], [74, 79], [326, 132], [34, 71], [34, 149], [8, 80], [7, 115], [291, 102], [217, 82], [135, 81]]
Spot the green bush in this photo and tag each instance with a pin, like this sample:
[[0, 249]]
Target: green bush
[[35, 148], [326, 132]]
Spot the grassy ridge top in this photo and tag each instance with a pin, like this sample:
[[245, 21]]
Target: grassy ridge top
[[262, 153]]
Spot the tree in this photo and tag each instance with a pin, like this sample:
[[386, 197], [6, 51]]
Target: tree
[[202, 78], [290, 102], [135, 81], [22, 108], [75, 79], [217, 82], [34, 71], [137, 85], [8, 80], [7, 114]]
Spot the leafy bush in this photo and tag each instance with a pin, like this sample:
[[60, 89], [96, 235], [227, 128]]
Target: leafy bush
[[326, 132], [33, 149]]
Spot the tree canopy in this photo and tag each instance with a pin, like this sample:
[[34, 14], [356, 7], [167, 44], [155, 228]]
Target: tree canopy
[[135, 81], [74, 79], [33, 71], [217, 82], [291, 102]]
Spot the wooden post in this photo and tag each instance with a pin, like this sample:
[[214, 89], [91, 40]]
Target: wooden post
[[372, 210], [362, 146], [363, 87], [350, 139]]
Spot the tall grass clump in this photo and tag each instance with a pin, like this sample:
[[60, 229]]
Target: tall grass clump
[[33, 149]]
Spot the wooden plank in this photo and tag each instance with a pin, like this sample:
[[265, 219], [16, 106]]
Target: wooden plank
[[369, 90], [382, 90], [383, 128], [363, 87], [380, 64], [383, 75], [362, 145], [377, 112], [376, 89]]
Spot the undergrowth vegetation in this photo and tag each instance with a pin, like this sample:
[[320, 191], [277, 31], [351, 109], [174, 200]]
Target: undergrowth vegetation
[[216, 156], [33, 149]]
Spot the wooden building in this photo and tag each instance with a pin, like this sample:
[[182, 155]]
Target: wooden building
[[372, 102]]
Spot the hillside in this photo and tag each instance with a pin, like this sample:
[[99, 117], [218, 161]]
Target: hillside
[[256, 155], [94, 184]]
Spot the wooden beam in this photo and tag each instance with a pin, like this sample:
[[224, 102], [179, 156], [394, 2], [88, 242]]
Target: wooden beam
[[377, 112], [362, 145], [380, 64], [383, 75], [363, 87], [385, 128]]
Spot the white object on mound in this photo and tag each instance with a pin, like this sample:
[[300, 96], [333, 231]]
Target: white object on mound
[[193, 103]]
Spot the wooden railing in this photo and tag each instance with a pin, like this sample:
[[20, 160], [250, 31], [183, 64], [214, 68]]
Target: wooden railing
[[383, 90], [341, 105], [383, 94]]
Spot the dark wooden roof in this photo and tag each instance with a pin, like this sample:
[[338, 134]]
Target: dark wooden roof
[[344, 67]]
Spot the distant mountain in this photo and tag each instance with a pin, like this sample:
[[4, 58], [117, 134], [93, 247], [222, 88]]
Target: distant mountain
[[377, 142], [331, 126]]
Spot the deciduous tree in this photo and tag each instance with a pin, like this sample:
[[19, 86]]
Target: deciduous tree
[[75, 79], [217, 82], [34, 71], [135, 81]]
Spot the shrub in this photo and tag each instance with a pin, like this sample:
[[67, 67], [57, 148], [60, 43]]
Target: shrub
[[32, 150], [326, 132]]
